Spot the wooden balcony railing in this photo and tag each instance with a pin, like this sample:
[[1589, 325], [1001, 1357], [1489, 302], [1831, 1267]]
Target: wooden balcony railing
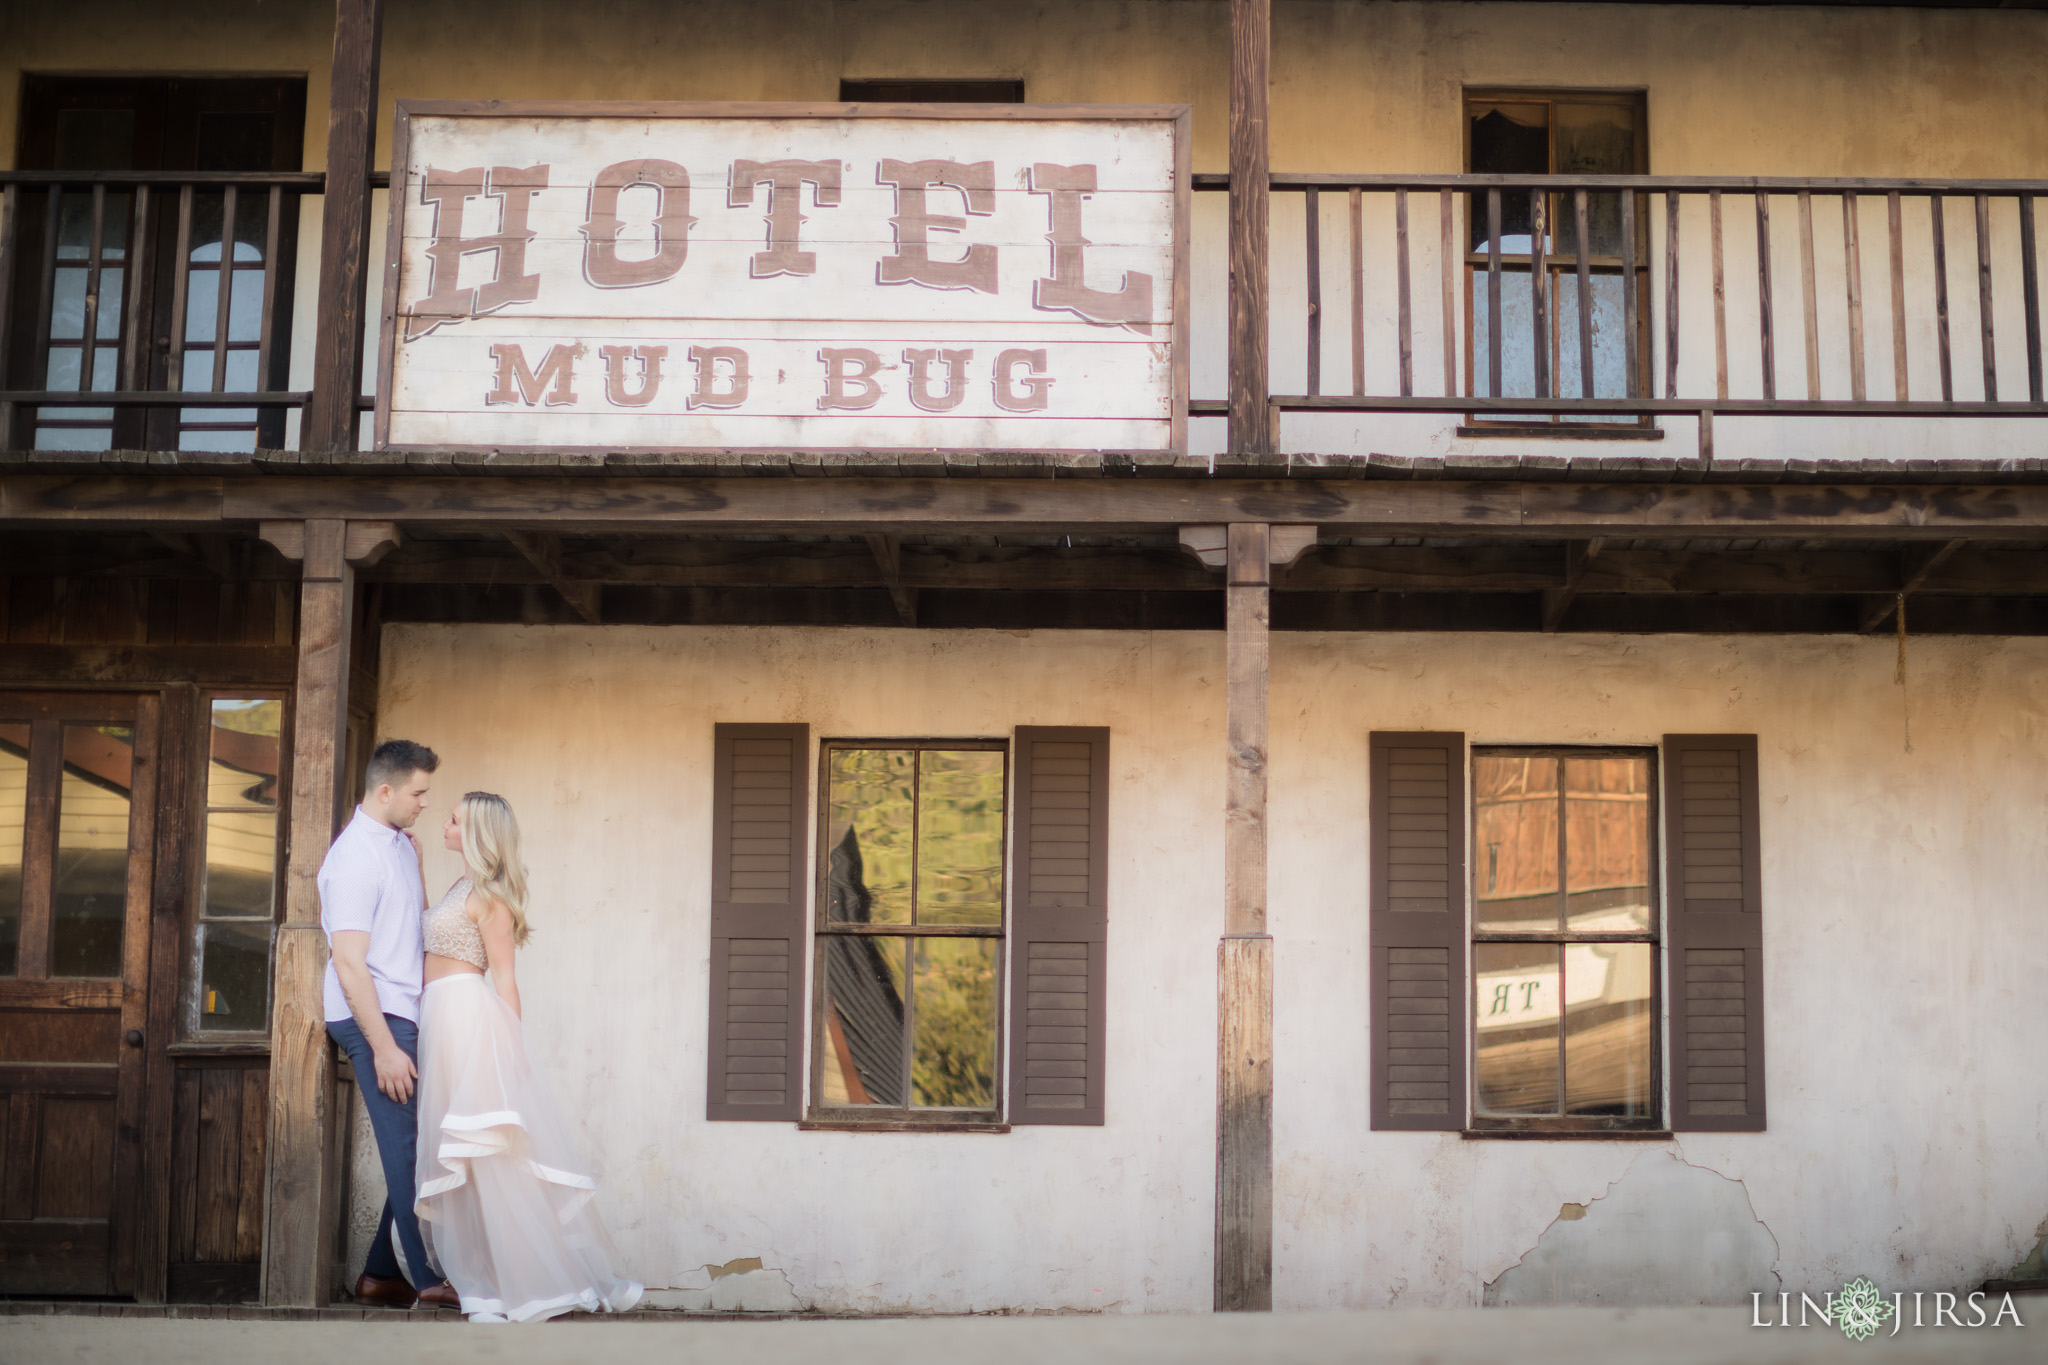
[[1454, 294], [101, 314], [1530, 329]]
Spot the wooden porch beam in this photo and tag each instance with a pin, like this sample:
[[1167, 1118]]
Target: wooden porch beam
[[331, 414], [544, 553], [1251, 418], [1338, 507], [1578, 556], [1244, 965], [888, 553], [1916, 565]]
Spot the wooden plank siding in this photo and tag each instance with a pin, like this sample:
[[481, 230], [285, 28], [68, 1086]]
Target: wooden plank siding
[[217, 1147]]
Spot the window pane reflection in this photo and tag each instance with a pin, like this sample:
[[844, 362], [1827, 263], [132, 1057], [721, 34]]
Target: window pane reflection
[[243, 748], [954, 1006], [869, 834], [863, 1047], [90, 893], [1516, 1020], [13, 818], [234, 977], [960, 837], [1607, 1029], [241, 864], [1607, 838], [1515, 841]]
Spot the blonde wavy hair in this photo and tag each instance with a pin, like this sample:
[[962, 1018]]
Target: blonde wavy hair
[[490, 845]]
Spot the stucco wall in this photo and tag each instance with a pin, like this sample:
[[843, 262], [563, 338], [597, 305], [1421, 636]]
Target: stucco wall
[[1821, 91], [1902, 962]]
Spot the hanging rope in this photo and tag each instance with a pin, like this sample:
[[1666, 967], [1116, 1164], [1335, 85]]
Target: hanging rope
[[1899, 675]]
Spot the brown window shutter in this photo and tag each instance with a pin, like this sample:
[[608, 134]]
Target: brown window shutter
[[1420, 998], [760, 812], [1059, 925], [1714, 932]]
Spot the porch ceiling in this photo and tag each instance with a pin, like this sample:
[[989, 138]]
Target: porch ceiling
[[1137, 581]]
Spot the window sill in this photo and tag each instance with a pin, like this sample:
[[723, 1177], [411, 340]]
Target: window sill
[[837, 1124], [1563, 433], [1570, 1134], [225, 1048]]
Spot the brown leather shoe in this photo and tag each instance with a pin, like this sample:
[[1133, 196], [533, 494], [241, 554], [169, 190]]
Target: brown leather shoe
[[383, 1292], [440, 1295]]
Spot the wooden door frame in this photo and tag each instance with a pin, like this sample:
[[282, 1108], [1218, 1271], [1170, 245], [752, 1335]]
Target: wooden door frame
[[130, 990]]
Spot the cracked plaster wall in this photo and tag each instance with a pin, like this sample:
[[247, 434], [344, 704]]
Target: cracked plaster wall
[[1902, 957]]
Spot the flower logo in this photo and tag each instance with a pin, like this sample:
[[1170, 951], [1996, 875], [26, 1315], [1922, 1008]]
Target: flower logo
[[1859, 1310]]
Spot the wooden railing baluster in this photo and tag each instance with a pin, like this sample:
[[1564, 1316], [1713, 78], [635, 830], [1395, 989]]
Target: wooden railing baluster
[[1448, 262], [1493, 293], [1809, 296], [48, 291], [1720, 299], [265, 331], [89, 323], [181, 276], [1937, 217], [1763, 293], [224, 290], [1631, 321], [1357, 293], [1671, 293], [1584, 253], [10, 219], [1852, 270], [2030, 286], [1539, 291], [133, 371], [1895, 220], [1989, 344], [1403, 300]]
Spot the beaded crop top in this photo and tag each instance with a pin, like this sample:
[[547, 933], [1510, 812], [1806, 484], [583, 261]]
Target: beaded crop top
[[448, 930]]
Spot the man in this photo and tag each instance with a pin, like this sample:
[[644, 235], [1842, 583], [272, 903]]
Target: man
[[371, 898]]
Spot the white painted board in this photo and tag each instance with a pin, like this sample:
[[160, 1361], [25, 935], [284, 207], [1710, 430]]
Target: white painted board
[[786, 277]]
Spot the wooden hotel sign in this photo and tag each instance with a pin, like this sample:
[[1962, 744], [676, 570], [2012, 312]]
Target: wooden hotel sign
[[786, 276]]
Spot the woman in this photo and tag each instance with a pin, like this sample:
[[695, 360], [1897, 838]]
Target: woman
[[504, 1204]]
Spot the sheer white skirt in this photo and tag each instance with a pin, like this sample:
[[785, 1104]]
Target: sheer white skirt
[[505, 1205]]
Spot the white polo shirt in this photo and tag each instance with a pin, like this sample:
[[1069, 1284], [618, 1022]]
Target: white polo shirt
[[370, 882]]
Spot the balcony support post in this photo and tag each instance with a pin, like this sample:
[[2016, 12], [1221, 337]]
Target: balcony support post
[[330, 423], [1251, 421]]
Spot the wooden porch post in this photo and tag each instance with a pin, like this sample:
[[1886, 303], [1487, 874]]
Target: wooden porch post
[[1244, 964], [1251, 24], [300, 1198], [330, 421]]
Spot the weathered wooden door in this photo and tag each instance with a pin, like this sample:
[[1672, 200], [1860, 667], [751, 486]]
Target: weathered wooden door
[[77, 815]]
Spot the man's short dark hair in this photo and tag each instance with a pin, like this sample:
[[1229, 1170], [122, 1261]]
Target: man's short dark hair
[[397, 759]]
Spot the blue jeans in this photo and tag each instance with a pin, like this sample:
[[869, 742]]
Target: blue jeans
[[397, 1128]]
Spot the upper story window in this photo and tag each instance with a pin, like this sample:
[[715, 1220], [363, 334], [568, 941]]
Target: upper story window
[[932, 91], [1541, 346], [910, 928], [105, 259]]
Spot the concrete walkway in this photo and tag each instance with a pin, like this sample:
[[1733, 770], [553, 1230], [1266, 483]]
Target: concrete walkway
[[1526, 1336]]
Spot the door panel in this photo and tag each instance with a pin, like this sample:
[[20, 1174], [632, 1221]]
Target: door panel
[[80, 772]]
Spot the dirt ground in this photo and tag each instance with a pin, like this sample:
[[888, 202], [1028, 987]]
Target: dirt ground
[[1531, 1336]]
